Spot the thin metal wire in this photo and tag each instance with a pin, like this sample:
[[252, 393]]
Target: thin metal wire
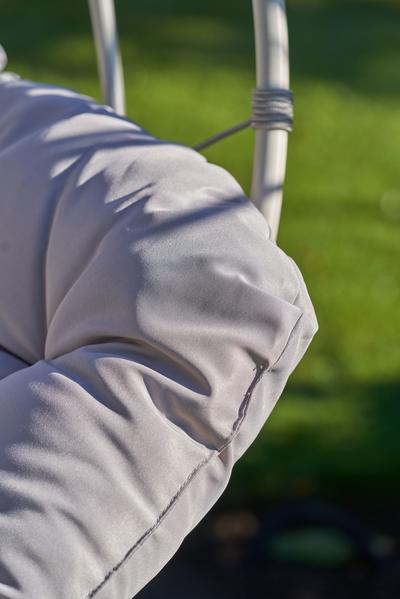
[[222, 135]]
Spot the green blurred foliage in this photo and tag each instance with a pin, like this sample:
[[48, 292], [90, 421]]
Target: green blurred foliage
[[189, 68]]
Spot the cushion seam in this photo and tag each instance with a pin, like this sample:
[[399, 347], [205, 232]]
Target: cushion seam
[[260, 369], [152, 529]]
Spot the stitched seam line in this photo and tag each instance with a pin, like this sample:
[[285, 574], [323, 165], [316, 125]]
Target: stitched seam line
[[287, 342], [260, 369], [149, 531]]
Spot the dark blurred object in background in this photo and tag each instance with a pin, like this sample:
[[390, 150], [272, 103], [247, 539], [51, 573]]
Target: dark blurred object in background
[[298, 550]]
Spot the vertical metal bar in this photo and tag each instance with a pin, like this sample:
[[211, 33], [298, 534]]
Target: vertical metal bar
[[272, 67], [3, 58], [104, 26]]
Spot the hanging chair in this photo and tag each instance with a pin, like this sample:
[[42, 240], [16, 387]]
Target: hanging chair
[[148, 325]]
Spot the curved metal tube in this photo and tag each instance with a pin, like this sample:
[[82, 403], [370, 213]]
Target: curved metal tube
[[272, 69], [272, 72], [102, 15]]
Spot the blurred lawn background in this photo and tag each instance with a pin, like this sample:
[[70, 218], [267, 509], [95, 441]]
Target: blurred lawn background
[[189, 67]]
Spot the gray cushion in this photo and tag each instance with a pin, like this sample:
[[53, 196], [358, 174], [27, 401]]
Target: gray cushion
[[148, 326]]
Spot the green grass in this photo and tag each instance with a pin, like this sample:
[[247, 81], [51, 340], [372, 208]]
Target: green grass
[[189, 71]]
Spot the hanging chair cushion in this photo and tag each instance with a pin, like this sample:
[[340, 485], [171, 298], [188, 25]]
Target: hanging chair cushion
[[147, 328]]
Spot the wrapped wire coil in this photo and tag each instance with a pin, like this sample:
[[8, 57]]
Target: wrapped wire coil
[[272, 109]]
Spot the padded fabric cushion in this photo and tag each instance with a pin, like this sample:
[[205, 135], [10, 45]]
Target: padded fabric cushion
[[147, 328]]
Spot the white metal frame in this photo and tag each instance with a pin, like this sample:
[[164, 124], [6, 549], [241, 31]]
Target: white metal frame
[[272, 72], [102, 14]]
